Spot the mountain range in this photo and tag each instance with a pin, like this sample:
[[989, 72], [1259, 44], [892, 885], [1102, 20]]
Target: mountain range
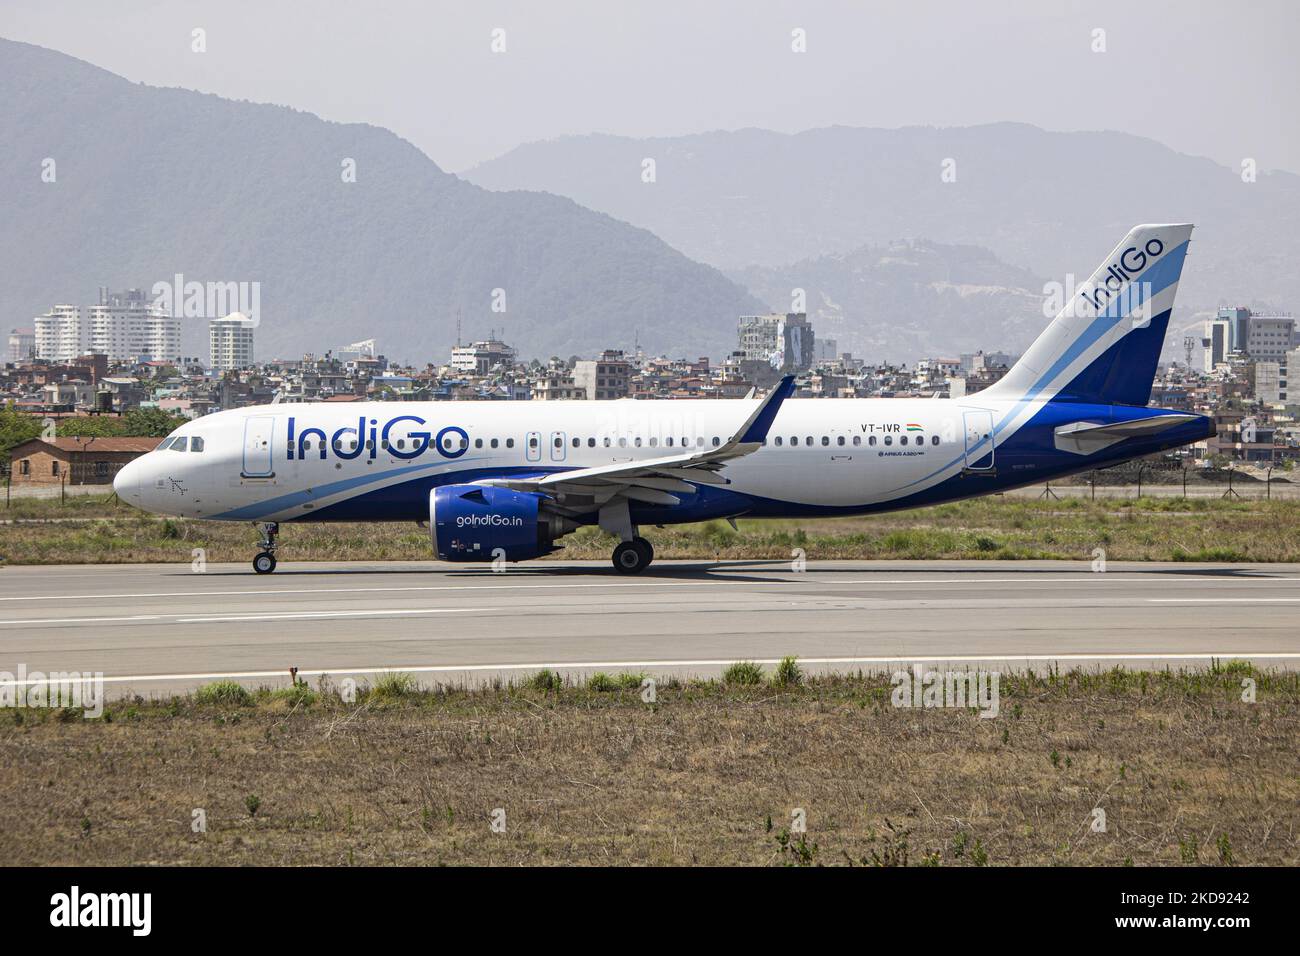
[[910, 298], [907, 242], [1050, 202], [151, 182]]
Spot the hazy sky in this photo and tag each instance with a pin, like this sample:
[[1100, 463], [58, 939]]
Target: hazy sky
[[1217, 79]]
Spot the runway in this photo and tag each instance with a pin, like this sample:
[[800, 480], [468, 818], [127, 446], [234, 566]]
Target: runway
[[153, 629]]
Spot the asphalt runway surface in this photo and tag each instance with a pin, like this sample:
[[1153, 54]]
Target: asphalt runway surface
[[154, 629]]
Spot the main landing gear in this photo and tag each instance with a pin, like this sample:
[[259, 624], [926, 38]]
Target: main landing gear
[[264, 562], [633, 557]]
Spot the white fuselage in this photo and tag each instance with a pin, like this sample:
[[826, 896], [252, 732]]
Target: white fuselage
[[836, 453]]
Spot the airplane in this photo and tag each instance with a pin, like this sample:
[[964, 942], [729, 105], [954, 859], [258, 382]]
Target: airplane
[[500, 481]]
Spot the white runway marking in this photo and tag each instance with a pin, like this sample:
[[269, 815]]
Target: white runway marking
[[84, 620], [310, 615], [937, 578], [719, 662], [1250, 600]]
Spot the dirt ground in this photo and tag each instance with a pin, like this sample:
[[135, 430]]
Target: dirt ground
[[1183, 770]]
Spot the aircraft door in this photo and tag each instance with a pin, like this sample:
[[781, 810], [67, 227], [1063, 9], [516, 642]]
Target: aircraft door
[[533, 446], [979, 440], [258, 430], [557, 446]]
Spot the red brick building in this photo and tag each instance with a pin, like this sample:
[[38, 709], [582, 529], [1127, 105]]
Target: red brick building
[[74, 461]]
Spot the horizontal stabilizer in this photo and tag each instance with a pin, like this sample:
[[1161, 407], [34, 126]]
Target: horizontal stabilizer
[[1084, 438]]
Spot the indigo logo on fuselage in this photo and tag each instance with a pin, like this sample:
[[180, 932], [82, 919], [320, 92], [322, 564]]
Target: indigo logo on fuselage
[[1130, 264], [369, 438]]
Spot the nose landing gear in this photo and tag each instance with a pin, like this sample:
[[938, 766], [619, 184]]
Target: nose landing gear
[[264, 562]]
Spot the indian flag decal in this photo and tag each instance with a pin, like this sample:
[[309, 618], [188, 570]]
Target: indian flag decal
[[914, 428]]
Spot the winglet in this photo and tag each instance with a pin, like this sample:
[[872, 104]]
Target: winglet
[[755, 430]]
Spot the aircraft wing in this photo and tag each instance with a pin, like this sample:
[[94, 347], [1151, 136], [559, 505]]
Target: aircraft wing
[[1084, 438], [655, 480]]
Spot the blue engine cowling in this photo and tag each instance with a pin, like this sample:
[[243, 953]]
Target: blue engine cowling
[[476, 522]]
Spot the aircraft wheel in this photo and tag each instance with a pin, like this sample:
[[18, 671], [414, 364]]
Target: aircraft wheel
[[647, 548], [630, 558], [264, 563]]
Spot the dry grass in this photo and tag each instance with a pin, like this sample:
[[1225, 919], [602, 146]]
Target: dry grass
[[95, 530], [1185, 771]]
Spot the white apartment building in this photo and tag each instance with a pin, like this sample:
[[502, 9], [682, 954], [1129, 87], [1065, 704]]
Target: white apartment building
[[231, 341], [125, 326], [477, 358], [129, 327], [22, 343], [62, 334]]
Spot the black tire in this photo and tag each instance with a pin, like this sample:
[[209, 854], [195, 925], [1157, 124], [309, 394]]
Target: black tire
[[629, 558], [264, 563], [647, 548]]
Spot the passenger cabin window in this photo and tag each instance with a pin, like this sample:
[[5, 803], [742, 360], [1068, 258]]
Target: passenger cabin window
[[934, 439], [510, 443]]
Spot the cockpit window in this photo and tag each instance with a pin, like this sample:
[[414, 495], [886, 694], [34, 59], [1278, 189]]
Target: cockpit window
[[165, 444], [196, 443], [178, 444]]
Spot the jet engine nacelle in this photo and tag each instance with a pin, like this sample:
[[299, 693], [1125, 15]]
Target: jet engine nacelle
[[482, 522]]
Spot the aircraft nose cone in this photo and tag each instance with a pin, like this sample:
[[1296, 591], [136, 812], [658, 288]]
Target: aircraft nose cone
[[126, 483]]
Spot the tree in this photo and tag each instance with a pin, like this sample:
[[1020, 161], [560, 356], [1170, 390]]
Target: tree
[[97, 426], [16, 427], [150, 423]]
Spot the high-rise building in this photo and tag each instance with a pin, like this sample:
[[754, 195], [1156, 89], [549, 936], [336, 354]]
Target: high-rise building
[[1268, 382], [22, 345], [129, 327], [1216, 343], [231, 342], [1269, 337], [62, 334], [784, 339], [1238, 319]]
